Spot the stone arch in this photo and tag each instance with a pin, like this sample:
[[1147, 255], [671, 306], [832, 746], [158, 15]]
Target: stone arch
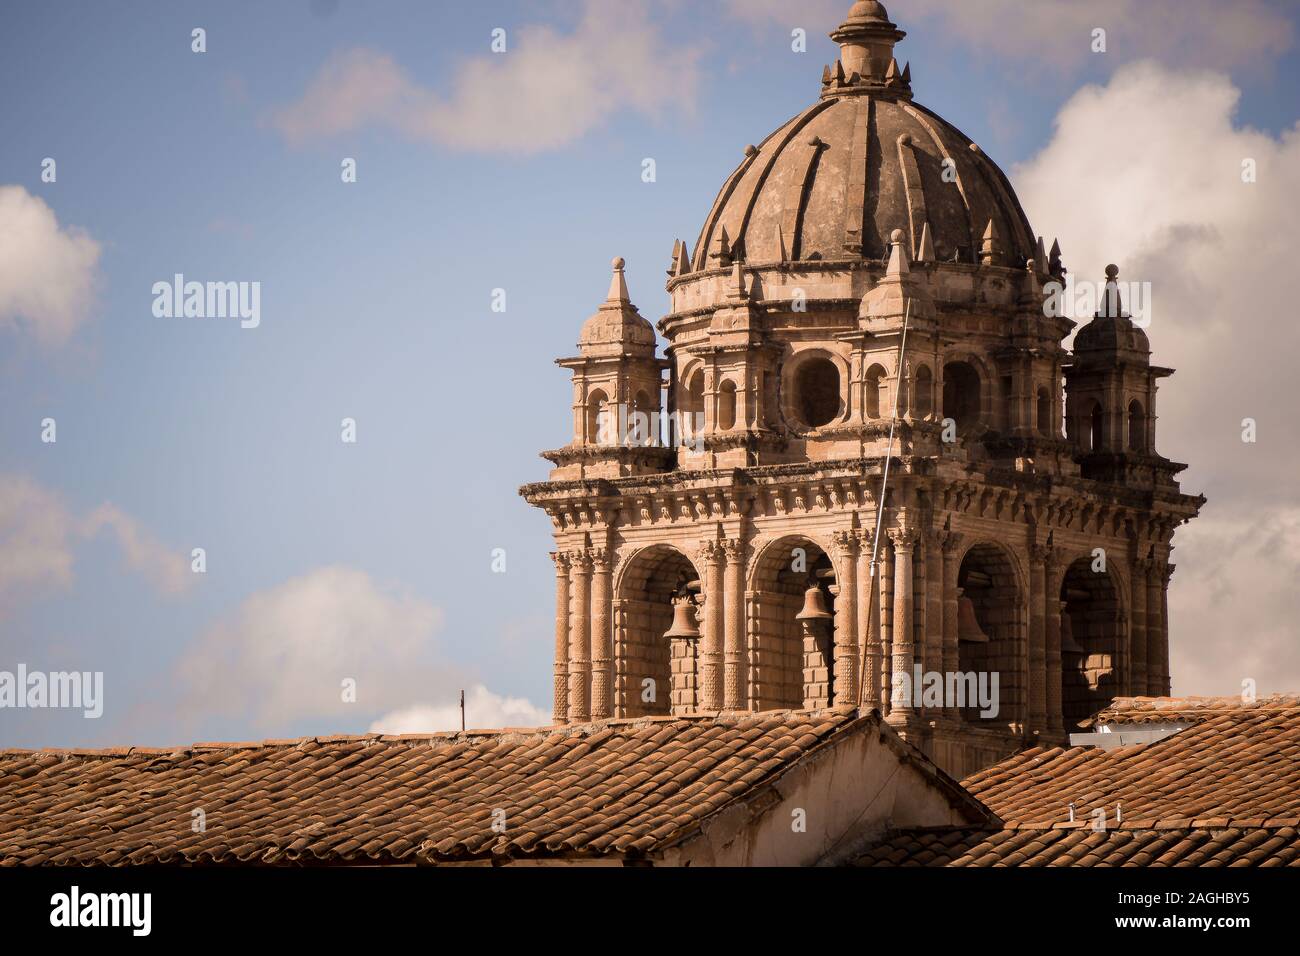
[[993, 625], [792, 661], [966, 384], [806, 387], [727, 405], [690, 401], [1044, 412], [1093, 630], [597, 409], [1137, 427], [645, 585], [923, 392], [876, 384]]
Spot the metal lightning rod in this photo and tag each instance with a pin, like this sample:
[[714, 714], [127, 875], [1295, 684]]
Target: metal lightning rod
[[880, 503]]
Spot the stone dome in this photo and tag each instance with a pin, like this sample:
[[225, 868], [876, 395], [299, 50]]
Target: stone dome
[[835, 181]]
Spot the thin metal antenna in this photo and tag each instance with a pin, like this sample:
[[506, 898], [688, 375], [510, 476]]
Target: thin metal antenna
[[462, 711], [880, 503]]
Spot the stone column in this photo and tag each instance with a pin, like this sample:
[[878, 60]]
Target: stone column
[[846, 620], [1166, 575], [868, 612], [602, 638], [560, 712], [904, 648], [885, 581], [951, 661], [1037, 654], [1052, 655], [1157, 661], [933, 634], [711, 698], [1137, 628], [734, 642], [580, 638]]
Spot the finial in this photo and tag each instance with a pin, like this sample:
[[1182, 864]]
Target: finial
[[1040, 257], [1054, 265], [926, 252], [991, 251], [897, 255], [720, 252], [618, 284], [1112, 306], [738, 281]]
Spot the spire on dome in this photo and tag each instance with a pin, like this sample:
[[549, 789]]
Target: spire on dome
[[618, 284], [866, 42]]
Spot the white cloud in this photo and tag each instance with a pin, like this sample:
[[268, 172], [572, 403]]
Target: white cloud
[[548, 90], [40, 534], [1146, 172], [47, 273], [1058, 33], [284, 653], [483, 710]]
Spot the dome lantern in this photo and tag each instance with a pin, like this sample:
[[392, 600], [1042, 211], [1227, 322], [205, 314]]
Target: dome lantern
[[867, 38]]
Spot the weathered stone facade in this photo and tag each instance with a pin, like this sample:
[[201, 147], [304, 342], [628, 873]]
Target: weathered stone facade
[[866, 294]]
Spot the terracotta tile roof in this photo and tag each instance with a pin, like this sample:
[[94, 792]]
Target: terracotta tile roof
[[628, 787], [1140, 710], [1224, 791], [1233, 846]]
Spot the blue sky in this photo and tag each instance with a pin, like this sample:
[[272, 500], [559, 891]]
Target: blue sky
[[376, 305]]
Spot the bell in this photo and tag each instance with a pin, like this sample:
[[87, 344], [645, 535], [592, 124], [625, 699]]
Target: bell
[[814, 606], [968, 627], [1068, 644], [683, 620]]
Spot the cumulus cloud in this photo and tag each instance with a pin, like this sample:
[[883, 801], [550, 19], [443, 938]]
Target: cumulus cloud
[[1147, 172], [285, 652], [47, 272], [483, 710], [40, 534], [548, 90], [1058, 33]]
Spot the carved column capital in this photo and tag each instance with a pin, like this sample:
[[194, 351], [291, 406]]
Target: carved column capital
[[734, 549], [847, 542], [903, 537], [950, 541]]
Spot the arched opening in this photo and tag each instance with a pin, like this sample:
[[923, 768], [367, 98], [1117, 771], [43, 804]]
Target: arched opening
[[1090, 640], [648, 669], [1096, 428], [690, 407], [727, 406], [923, 396], [961, 395], [598, 430], [990, 622], [1044, 415], [793, 617], [817, 392], [641, 424], [875, 386], [1137, 427]]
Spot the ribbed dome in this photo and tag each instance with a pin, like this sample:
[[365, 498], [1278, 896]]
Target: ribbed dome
[[839, 178]]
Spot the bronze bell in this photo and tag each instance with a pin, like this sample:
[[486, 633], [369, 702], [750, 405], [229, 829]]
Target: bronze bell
[[814, 606], [1068, 644], [683, 619], [968, 626]]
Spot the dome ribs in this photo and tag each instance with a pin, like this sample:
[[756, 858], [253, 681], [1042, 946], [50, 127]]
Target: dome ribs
[[771, 155], [915, 193], [923, 116], [859, 156], [796, 206], [723, 203]]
